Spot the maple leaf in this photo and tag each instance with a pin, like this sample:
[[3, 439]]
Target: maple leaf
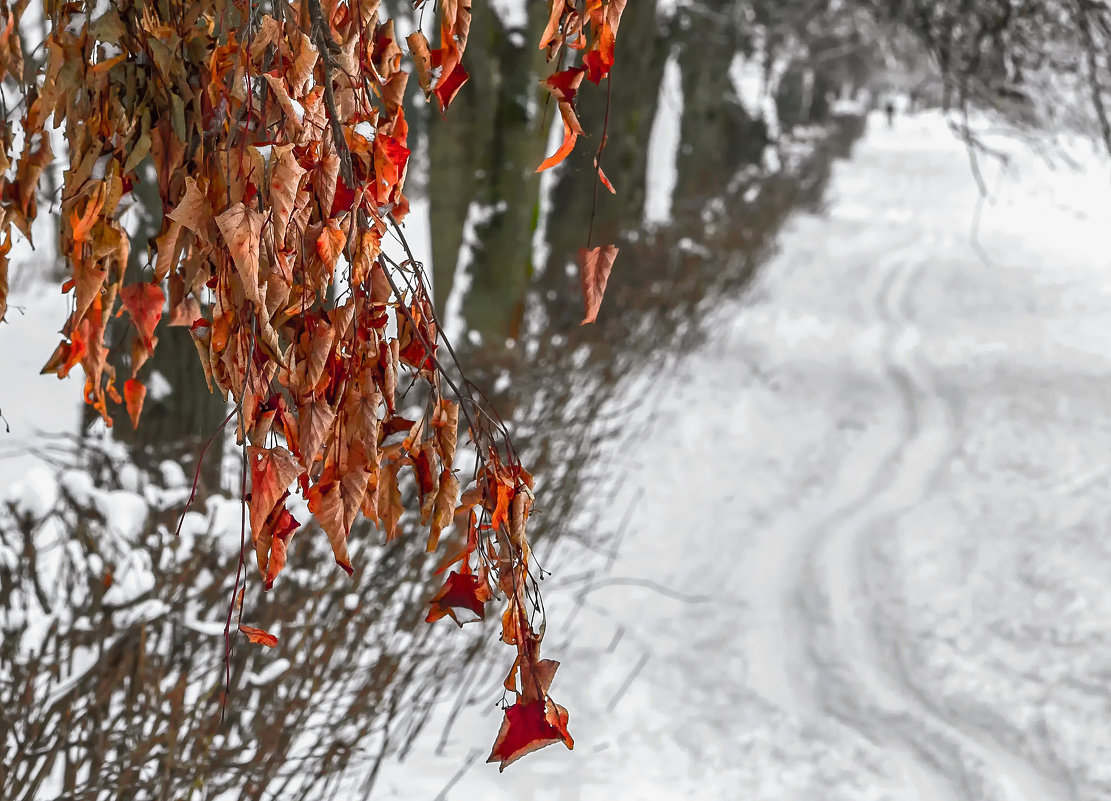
[[529, 727], [134, 393], [144, 303], [462, 592], [595, 273], [258, 636]]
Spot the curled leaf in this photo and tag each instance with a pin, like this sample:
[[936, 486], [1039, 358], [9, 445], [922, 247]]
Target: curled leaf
[[596, 266], [258, 636]]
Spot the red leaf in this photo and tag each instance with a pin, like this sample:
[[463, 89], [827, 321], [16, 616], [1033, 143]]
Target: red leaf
[[527, 728], [461, 591], [596, 266], [565, 85], [449, 86], [344, 198], [259, 636], [144, 303], [134, 392]]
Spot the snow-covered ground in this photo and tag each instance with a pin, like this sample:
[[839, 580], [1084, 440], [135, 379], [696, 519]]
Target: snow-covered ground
[[867, 556]]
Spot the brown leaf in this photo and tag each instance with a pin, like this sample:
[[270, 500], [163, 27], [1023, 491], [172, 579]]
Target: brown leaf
[[443, 509], [596, 266], [285, 181], [315, 423], [167, 246], [272, 471], [445, 422], [242, 230], [389, 503], [422, 58], [335, 504], [280, 528], [193, 211]]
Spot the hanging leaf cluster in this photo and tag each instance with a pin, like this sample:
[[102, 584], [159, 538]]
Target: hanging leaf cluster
[[277, 139]]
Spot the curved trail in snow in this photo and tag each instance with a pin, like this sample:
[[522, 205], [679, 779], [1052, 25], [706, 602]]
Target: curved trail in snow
[[822, 656]]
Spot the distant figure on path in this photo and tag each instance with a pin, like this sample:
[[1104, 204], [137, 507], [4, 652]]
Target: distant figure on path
[[889, 110]]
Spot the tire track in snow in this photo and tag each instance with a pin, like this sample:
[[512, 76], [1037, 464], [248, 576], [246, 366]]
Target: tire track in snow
[[850, 672]]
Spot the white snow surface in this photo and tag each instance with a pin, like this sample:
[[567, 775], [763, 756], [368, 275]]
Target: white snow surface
[[867, 555]]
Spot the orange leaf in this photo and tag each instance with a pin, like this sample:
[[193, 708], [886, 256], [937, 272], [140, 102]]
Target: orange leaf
[[259, 636], [134, 392], [144, 303], [443, 508], [82, 224], [501, 510], [569, 139], [596, 266], [329, 245], [529, 727], [605, 181]]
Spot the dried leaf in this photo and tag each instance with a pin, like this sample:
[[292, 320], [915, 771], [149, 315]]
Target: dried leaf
[[258, 636], [144, 303], [242, 230], [134, 393], [529, 727], [193, 211], [462, 593], [272, 471], [596, 266]]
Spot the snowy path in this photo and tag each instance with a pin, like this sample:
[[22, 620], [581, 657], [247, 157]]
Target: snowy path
[[750, 645]]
